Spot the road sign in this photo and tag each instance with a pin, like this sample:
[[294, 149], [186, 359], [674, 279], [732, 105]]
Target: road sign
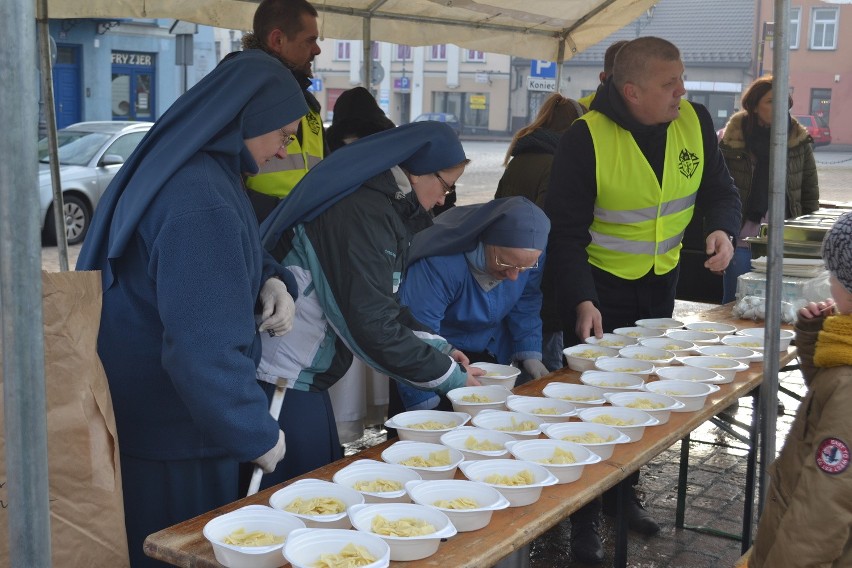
[[315, 86], [539, 84], [542, 69]]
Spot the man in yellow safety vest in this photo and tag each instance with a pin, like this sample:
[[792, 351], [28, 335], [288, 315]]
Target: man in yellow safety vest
[[287, 29], [626, 179]]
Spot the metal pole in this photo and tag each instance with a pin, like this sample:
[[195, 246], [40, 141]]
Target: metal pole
[[367, 52], [46, 66], [20, 293], [777, 190]]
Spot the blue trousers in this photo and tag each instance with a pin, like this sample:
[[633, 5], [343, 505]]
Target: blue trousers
[[740, 264]]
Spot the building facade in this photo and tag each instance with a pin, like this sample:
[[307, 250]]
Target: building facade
[[820, 61], [125, 69]]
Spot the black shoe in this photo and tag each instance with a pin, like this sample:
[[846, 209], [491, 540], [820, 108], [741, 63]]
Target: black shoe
[[586, 545], [640, 520], [780, 408]]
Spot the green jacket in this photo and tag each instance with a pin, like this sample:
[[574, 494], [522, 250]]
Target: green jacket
[[802, 185]]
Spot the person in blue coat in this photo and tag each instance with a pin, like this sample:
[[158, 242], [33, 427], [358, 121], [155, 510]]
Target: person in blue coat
[[474, 278], [183, 269]]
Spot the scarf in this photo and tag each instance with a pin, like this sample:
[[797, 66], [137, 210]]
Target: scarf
[[834, 342], [757, 142]]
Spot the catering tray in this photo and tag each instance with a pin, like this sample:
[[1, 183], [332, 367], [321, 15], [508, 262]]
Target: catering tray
[[792, 249]]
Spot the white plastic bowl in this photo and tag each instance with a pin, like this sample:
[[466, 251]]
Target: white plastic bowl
[[638, 332], [610, 381], [581, 396], [577, 430], [691, 374], [406, 449], [499, 375], [559, 410], [639, 419], [660, 323], [744, 341], [611, 340], [623, 365], [304, 546], [501, 420], [518, 495], [658, 357], [728, 368], [458, 438], [730, 352], [626, 399], [538, 450], [690, 393], [487, 498], [720, 329], [582, 357], [696, 337], [317, 488], [495, 394], [370, 470], [404, 548], [403, 421], [785, 335], [679, 347], [250, 518]]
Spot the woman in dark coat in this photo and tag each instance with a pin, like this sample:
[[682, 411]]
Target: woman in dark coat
[[745, 146]]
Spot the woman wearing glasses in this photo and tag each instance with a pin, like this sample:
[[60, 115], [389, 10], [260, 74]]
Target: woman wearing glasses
[[344, 231], [474, 279]]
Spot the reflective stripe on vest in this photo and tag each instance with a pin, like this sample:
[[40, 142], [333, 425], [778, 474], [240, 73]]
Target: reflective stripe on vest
[[639, 224], [278, 177]]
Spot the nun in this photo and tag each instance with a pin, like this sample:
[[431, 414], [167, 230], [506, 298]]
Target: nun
[[344, 232], [474, 278], [182, 265]]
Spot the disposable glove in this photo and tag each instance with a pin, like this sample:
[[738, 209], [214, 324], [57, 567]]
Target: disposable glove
[[534, 368], [270, 459], [278, 308]]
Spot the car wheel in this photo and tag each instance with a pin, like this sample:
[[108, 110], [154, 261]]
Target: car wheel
[[77, 220]]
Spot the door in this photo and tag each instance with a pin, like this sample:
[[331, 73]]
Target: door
[[66, 85], [133, 86]]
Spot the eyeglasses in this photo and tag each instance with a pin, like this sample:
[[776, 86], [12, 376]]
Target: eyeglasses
[[448, 189], [287, 138], [504, 266]]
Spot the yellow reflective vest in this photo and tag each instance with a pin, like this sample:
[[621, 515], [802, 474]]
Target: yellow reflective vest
[[277, 177], [587, 100], [639, 224]]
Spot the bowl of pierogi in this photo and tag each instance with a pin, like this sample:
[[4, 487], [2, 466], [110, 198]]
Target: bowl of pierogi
[[318, 503]]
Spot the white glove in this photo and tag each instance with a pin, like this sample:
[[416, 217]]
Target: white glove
[[534, 368], [270, 459], [278, 308]]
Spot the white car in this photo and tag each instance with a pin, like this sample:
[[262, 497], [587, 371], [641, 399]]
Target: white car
[[90, 154]]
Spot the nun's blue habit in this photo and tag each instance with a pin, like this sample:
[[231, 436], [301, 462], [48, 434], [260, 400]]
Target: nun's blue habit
[[178, 244], [443, 293], [346, 228]]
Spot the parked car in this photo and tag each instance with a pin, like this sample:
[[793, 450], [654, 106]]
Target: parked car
[[90, 154], [816, 127], [450, 119]]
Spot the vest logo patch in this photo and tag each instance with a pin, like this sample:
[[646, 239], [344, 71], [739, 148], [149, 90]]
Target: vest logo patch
[[687, 163], [313, 122], [832, 456]]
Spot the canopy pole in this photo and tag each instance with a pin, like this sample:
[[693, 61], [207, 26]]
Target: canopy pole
[[367, 54], [20, 294], [777, 191], [560, 60], [46, 66]]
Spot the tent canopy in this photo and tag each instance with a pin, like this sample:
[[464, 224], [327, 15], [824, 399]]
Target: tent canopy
[[535, 29]]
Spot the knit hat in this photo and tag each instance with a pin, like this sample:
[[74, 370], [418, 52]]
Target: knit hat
[[837, 250], [356, 114]]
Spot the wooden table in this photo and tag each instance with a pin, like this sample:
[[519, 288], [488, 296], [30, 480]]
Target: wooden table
[[510, 529]]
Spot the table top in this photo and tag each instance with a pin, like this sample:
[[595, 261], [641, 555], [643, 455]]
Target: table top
[[510, 529]]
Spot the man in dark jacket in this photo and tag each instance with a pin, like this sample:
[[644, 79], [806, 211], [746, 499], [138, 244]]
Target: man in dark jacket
[[287, 29], [626, 178]]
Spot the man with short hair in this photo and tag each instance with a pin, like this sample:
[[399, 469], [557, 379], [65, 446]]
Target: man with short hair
[[626, 179], [288, 30], [609, 62]]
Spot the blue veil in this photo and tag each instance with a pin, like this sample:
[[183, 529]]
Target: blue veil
[[514, 222], [249, 95], [419, 147]]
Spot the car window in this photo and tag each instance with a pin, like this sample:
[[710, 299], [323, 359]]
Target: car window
[[125, 145], [804, 120], [75, 148], [820, 122]]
